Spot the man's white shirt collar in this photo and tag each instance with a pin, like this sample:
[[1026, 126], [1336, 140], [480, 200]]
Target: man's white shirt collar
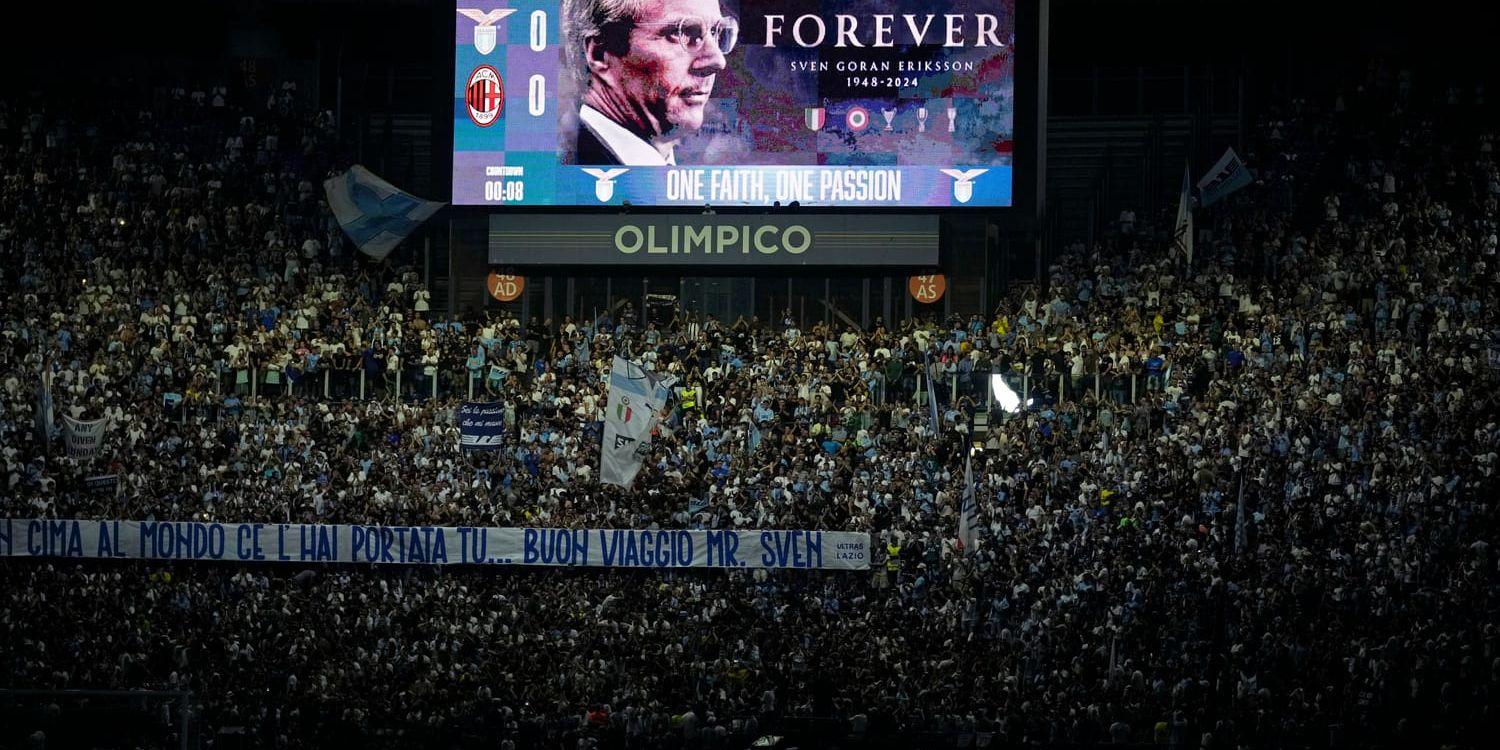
[[625, 145]]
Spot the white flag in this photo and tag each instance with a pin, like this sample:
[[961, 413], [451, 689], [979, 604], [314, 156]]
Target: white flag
[[375, 215], [1182, 237], [968, 514], [636, 396]]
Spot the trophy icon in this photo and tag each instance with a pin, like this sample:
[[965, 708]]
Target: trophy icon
[[952, 116], [888, 114], [921, 119]]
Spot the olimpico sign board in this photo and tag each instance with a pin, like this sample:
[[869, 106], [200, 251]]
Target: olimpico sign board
[[712, 240], [832, 103]]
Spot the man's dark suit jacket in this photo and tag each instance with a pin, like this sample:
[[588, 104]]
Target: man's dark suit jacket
[[591, 150]]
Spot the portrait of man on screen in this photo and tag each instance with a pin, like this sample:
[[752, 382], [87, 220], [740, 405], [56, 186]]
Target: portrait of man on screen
[[645, 71]]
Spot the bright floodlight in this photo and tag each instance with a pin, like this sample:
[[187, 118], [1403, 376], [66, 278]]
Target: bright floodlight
[[1009, 399]]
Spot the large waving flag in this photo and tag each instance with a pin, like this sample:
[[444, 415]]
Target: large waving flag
[[968, 514], [374, 213], [636, 399], [1228, 175]]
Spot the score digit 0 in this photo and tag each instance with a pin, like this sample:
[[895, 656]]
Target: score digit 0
[[536, 98], [536, 91], [538, 31]]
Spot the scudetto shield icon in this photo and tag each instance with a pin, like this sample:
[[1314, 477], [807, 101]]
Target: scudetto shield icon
[[963, 182], [963, 191], [816, 118], [484, 39], [604, 181]]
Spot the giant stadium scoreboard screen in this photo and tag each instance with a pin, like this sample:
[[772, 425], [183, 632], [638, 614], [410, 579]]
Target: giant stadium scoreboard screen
[[831, 103]]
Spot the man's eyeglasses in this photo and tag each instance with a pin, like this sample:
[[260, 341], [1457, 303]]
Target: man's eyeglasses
[[691, 32]]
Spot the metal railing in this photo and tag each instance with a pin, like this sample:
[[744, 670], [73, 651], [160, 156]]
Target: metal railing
[[414, 383], [81, 718]]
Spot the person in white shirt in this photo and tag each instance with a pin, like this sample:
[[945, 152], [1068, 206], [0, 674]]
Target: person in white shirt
[[648, 69]]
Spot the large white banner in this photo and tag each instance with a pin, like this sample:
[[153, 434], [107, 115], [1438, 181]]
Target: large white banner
[[433, 545], [636, 397], [85, 437]]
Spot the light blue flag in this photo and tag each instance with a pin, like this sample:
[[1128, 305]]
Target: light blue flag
[[1227, 175], [968, 514], [375, 215]]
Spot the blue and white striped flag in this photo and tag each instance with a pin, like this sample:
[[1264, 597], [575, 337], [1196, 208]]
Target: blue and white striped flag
[[968, 514], [375, 215]]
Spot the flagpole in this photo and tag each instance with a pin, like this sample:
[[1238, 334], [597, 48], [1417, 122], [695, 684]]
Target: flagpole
[[1113, 641], [1239, 518], [46, 410]]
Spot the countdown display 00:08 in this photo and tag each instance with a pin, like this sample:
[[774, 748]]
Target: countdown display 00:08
[[495, 190], [504, 190]]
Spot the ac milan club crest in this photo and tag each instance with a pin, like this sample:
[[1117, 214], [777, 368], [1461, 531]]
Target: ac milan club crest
[[857, 119], [485, 96], [815, 117]]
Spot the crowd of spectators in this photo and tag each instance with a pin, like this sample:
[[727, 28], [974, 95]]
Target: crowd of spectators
[[1248, 500]]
